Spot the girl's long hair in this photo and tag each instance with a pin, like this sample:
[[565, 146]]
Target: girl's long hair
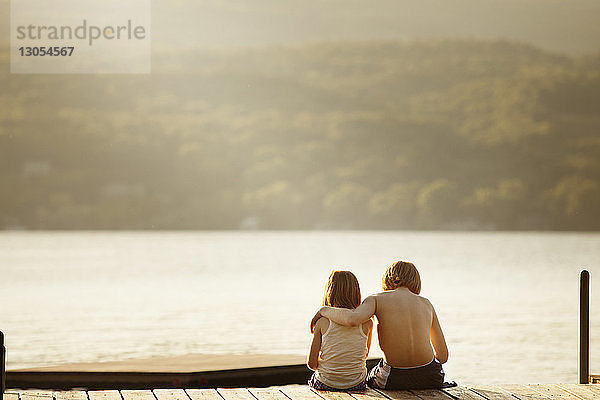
[[342, 290]]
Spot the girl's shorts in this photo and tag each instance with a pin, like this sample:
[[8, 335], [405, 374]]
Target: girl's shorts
[[316, 384]]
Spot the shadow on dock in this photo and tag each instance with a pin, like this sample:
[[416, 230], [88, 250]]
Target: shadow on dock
[[255, 377]]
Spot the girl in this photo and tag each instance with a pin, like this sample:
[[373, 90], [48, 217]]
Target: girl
[[343, 349]]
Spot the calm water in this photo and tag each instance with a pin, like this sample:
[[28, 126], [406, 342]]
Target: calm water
[[507, 301]]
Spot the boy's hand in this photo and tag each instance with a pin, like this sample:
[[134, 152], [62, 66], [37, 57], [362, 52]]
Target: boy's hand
[[314, 320]]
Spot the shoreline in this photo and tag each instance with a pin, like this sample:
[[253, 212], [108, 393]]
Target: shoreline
[[183, 363]]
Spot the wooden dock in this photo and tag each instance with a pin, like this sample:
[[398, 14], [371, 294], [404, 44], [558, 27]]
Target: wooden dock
[[303, 392]]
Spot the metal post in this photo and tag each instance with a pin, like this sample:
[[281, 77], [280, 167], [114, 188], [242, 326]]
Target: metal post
[[2, 366], [584, 327]]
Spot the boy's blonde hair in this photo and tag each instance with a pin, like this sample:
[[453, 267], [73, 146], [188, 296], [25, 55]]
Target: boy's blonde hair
[[342, 290], [402, 274]]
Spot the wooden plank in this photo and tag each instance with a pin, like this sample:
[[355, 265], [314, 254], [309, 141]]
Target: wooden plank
[[203, 394], [368, 394], [270, 393], [431, 394], [524, 392], [170, 394], [235, 394], [334, 395], [71, 395], [492, 392], [37, 395], [104, 395], [592, 387], [137, 395], [40, 393], [11, 396], [462, 393], [398, 394], [584, 391], [300, 392], [29, 396], [554, 392]]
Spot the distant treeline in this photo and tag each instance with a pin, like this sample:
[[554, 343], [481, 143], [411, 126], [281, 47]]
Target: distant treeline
[[369, 135]]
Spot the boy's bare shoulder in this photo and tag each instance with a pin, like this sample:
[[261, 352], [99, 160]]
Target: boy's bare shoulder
[[391, 293], [380, 294], [426, 301], [423, 298]]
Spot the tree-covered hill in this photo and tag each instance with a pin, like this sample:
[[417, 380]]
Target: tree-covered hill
[[364, 135]]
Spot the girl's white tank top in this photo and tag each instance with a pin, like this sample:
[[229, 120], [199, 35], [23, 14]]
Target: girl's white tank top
[[343, 356]]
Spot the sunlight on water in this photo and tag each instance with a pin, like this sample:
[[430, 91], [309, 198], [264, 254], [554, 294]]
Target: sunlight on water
[[507, 301]]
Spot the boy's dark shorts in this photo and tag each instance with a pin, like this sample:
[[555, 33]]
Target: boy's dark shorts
[[384, 376]]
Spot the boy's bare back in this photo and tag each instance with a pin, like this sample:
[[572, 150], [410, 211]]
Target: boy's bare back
[[404, 322]]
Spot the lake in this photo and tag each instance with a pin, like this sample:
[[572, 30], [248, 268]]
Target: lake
[[507, 302]]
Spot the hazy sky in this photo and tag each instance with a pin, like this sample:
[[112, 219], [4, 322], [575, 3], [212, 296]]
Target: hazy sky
[[562, 26], [556, 25]]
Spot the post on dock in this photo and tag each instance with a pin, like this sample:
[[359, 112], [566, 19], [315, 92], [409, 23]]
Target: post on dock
[[584, 327], [2, 366]]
